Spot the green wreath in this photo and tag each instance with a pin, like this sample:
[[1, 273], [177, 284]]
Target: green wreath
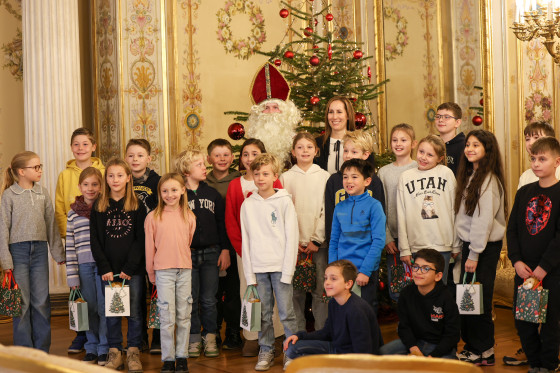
[[241, 48], [393, 50]]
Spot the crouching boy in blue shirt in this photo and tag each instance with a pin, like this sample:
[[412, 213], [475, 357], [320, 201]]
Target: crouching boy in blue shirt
[[351, 326]]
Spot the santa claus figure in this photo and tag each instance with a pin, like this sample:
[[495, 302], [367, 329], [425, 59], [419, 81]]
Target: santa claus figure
[[273, 117]]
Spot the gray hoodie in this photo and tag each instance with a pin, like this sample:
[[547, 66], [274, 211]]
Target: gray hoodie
[[27, 215]]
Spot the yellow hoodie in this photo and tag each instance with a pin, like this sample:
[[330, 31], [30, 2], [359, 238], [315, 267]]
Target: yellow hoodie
[[67, 190]]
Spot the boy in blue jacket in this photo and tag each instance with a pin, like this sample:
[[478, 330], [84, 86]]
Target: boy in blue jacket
[[358, 228]]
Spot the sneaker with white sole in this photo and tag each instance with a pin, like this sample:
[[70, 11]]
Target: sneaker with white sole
[[210, 345], [287, 361], [266, 360], [195, 348], [517, 359], [469, 357], [487, 358]]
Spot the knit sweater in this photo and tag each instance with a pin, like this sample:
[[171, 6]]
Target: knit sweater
[[27, 215], [308, 193], [78, 246], [389, 176], [222, 184], [425, 211], [488, 222], [168, 240]]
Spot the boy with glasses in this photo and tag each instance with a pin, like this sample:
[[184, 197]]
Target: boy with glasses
[[448, 119], [429, 323]]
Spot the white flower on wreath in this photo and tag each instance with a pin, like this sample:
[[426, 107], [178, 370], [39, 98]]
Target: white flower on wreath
[[252, 43], [243, 51], [239, 4], [225, 33], [229, 45], [257, 32], [225, 18]]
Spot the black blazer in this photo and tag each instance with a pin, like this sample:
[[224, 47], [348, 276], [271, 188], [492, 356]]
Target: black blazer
[[323, 158]]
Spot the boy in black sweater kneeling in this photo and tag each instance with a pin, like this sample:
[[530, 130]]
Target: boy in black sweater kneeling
[[429, 323], [351, 326]]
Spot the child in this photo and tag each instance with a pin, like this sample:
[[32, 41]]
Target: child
[[351, 326], [532, 236], [428, 316], [169, 232], [145, 183], [357, 144], [81, 270], [358, 228], [427, 193], [220, 156], [117, 245], [306, 183], [480, 224], [26, 225], [270, 240], [402, 144], [238, 190], [82, 143], [208, 251], [448, 119], [339, 118]]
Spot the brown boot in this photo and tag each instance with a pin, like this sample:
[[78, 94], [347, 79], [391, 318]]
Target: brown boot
[[133, 360], [250, 349], [115, 359]]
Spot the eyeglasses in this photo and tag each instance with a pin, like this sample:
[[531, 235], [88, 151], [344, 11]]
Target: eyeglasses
[[446, 117], [423, 269], [37, 168]]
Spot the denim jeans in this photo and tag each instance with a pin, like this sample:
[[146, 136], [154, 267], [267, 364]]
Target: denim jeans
[[319, 307], [268, 287], [31, 272], [114, 324], [396, 347], [205, 277], [175, 304], [309, 347], [94, 295]]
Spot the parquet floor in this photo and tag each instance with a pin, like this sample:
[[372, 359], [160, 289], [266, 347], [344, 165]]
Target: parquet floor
[[231, 361]]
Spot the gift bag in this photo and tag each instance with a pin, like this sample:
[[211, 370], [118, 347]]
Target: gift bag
[[77, 311], [117, 299], [401, 276], [10, 296], [357, 289], [469, 297], [153, 316], [251, 310], [531, 304], [305, 275]]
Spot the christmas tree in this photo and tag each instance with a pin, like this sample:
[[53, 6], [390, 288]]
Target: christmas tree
[[72, 321], [117, 305], [467, 303], [244, 320]]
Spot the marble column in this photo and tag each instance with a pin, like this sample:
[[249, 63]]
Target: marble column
[[52, 96]]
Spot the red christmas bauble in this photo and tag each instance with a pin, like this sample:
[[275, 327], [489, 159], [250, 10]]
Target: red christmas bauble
[[481, 102], [358, 54], [360, 120], [236, 131], [329, 17], [381, 285], [277, 62], [308, 31], [322, 132], [314, 100], [289, 54], [314, 60], [477, 120], [315, 47], [284, 13]]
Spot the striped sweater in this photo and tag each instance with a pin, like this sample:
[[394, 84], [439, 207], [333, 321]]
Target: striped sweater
[[78, 247]]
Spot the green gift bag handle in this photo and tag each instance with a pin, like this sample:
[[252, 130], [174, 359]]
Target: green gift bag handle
[[111, 283], [465, 278], [74, 293], [251, 290]]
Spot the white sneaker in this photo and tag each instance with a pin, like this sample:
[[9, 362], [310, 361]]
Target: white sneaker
[[287, 361], [195, 349], [266, 360]]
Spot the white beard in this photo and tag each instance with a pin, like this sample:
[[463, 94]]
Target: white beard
[[275, 131]]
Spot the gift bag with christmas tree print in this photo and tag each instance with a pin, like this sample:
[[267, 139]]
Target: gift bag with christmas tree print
[[305, 275], [117, 299], [10, 296], [531, 304], [153, 316], [77, 311], [401, 275], [469, 297], [251, 310]]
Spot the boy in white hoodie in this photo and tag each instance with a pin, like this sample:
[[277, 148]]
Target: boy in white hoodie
[[269, 233]]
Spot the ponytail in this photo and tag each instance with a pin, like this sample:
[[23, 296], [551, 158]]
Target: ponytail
[[19, 161]]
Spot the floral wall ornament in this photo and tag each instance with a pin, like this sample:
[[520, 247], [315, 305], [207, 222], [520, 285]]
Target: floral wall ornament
[[13, 56], [538, 107], [393, 50], [241, 48]]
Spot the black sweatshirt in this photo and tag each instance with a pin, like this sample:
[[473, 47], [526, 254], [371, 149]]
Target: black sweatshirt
[[533, 231], [117, 239], [209, 209], [454, 148], [351, 328], [335, 193], [147, 191], [433, 318]]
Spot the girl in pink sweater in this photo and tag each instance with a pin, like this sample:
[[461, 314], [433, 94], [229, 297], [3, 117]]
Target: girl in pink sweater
[[169, 232]]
